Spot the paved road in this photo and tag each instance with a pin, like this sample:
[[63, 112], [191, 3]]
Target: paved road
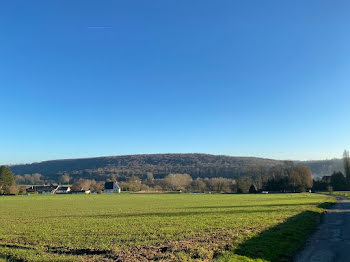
[[331, 243]]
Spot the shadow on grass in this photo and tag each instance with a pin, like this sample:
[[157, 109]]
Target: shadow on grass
[[209, 210], [228, 211], [249, 206], [280, 243]]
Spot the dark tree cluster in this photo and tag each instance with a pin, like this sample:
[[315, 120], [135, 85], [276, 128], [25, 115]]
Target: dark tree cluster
[[296, 179], [338, 181]]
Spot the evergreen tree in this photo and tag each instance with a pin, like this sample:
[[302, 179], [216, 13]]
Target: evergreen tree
[[338, 181], [252, 189], [7, 179]]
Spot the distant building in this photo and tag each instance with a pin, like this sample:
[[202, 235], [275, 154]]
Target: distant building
[[326, 179], [111, 187], [45, 190], [63, 190]]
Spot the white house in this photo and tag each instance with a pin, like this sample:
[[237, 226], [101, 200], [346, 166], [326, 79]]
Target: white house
[[111, 187]]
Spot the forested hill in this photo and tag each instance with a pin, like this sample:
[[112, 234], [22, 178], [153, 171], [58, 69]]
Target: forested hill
[[322, 168], [160, 165]]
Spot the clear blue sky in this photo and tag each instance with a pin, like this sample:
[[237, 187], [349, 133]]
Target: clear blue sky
[[244, 78]]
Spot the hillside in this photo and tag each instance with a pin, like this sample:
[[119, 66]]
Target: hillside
[[160, 165], [197, 165], [322, 168]]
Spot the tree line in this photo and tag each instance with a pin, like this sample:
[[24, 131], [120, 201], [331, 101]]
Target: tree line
[[283, 178]]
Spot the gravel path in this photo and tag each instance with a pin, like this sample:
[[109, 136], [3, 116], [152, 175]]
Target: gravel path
[[331, 243]]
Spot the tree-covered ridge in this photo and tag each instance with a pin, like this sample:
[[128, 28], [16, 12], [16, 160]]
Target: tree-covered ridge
[[322, 168], [160, 165]]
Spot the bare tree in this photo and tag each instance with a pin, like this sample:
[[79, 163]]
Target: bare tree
[[220, 184], [134, 183], [243, 184], [199, 185], [178, 181], [65, 178], [150, 177], [20, 179], [13, 190], [346, 161], [113, 177], [36, 178], [29, 179], [97, 186], [300, 178], [83, 184]]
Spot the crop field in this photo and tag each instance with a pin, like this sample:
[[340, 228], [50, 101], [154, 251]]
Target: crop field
[[163, 227]]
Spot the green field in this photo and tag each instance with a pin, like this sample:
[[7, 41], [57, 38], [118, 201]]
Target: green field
[[140, 227], [345, 194]]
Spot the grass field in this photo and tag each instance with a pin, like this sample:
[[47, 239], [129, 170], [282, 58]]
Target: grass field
[[141, 227], [345, 194]]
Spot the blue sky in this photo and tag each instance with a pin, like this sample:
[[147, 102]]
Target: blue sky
[[244, 78]]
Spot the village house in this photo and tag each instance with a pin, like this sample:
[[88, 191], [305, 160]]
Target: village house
[[326, 179], [63, 190], [111, 187], [45, 190]]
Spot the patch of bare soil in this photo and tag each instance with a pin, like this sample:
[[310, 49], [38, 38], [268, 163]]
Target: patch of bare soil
[[201, 247]]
